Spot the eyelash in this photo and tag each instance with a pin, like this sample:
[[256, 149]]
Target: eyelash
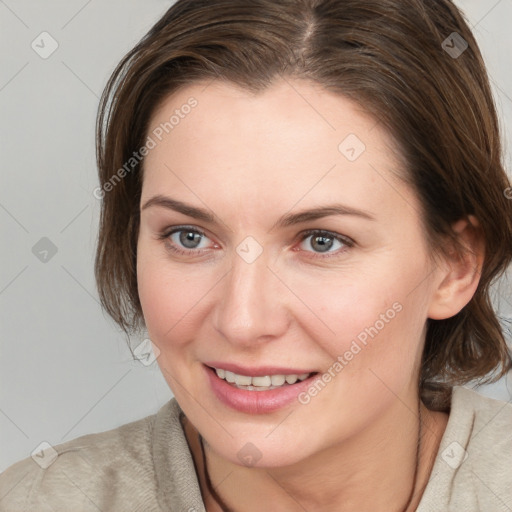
[[347, 242]]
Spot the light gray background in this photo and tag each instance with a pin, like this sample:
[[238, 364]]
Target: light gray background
[[65, 370]]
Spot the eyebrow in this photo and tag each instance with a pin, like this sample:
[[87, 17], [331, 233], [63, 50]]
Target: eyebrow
[[286, 220]]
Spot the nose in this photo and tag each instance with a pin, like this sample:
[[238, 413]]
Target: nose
[[252, 304]]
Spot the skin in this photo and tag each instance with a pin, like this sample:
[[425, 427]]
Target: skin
[[249, 160]]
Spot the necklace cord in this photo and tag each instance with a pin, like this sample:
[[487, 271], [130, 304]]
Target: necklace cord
[[209, 485]]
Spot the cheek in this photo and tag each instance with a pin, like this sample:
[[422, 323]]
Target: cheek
[[171, 298], [369, 321], [347, 301]]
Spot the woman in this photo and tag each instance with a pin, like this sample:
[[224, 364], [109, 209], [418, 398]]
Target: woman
[[304, 204]]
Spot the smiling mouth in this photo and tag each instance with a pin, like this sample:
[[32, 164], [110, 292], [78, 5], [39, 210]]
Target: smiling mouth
[[260, 383]]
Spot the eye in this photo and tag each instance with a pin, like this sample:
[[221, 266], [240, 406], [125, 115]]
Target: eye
[[187, 240], [184, 240], [325, 243]]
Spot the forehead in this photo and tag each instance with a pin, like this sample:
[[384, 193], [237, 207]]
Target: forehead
[[293, 141], [288, 109]]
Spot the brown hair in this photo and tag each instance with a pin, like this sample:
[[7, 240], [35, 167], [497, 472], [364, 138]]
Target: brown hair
[[389, 57]]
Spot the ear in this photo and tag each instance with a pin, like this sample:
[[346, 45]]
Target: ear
[[459, 279]]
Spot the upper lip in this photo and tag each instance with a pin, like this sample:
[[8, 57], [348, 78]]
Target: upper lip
[[257, 371]]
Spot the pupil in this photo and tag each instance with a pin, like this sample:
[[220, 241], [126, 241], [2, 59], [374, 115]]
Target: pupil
[[324, 243]]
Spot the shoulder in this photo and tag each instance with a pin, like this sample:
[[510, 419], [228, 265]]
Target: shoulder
[[482, 427], [472, 468], [490, 419], [106, 471]]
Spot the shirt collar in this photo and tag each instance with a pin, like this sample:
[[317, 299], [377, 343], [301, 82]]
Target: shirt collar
[[177, 483]]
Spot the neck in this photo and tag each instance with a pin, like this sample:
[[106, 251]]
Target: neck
[[382, 471]]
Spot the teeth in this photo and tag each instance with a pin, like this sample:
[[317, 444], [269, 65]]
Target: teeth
[[278, 380], [291, 379], [259, 383], [242, 380]]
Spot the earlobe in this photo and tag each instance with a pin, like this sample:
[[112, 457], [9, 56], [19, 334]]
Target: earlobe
[[459, 281]]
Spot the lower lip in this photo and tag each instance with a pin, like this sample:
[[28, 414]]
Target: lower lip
[[256, 402]]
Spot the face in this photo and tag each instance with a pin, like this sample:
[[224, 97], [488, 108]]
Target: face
[[235, 274]]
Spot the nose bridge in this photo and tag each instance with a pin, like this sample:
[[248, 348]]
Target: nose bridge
[[250, 307]]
